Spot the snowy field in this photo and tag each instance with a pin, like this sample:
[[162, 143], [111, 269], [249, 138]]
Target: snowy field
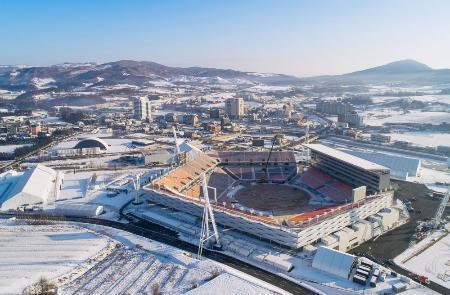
[[92, 259], [378, 118], [232, 284], [430, 177], [9, 149], [423, 138], [28, 252], [430, 257]]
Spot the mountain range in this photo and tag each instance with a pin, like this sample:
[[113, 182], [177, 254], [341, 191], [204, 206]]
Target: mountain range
[[71, 76], [68, 76]]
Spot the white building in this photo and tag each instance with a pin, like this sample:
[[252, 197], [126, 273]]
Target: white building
[[235, 107], [37, 185], [400, 166], [142, 109]]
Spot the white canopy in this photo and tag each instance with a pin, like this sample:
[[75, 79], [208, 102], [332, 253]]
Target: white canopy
[[333, 262]]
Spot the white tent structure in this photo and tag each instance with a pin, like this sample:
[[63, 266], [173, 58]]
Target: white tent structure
[[333, 262], [31, 187]]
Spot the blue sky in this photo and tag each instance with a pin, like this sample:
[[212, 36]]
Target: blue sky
[[293, 37]]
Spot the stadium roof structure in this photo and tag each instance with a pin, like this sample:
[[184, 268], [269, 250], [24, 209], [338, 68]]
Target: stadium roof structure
[[333, 261], [348, 158], [31, 187]]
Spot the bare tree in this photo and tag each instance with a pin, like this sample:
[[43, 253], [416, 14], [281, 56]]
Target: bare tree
[[41, 287], [156, 289]]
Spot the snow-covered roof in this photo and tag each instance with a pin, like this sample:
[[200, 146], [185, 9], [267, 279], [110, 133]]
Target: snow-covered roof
[[342, 156], [188, 148], [333, 262], [33, 186]]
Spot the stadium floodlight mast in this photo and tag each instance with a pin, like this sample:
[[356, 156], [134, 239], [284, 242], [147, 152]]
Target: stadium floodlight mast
[[137, 186], [206, 235], [177, 147]]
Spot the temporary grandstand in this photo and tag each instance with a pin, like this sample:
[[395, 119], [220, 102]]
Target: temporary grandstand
[[278, 166], [294, 207], [185, 178], [350, 169]]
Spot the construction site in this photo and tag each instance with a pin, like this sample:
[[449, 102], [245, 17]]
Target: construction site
[[282, 198]]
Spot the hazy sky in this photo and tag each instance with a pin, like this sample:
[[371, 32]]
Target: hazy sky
[[293, 37]]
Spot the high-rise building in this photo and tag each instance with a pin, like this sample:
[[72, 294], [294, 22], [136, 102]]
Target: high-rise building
[[235, 107], [352, 118], [334, 107], [142, 109]]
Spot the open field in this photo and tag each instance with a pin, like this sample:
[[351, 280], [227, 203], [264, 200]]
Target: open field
[[82, 258], [30, 251], [430, 257]]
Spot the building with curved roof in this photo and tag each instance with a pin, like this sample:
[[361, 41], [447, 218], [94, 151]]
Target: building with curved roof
[[91, 142], [34, 186]]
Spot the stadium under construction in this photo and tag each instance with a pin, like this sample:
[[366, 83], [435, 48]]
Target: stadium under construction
[[328, 198]]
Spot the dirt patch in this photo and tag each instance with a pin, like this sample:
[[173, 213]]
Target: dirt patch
[[281, 199]]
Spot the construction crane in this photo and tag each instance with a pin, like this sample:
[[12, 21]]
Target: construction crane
[[208, 219], [441, 209]]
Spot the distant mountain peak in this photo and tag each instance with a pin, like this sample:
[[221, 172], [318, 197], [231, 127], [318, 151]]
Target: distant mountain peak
[[397, 67]]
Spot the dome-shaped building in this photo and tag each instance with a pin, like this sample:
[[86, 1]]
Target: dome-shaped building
[[91, 142]]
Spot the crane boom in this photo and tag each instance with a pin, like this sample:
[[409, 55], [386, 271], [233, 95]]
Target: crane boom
[[441, 209]]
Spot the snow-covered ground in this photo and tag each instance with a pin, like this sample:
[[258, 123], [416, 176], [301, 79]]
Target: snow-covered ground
[[11, 147], [232, 284], [42, 83], [29, 252], [380, 117], [430, 177], [430, 257], [423, 138], [263, 88], [92, 187], [93, 259]]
